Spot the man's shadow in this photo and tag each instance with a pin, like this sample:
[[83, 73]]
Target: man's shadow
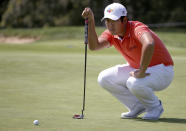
[[173, 120], [167, 120]]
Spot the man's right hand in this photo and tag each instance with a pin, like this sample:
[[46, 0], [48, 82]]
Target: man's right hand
[[93, 41], [87, 13]]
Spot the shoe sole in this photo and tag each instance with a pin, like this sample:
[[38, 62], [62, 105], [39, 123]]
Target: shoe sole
[[153, 118], [130, 117]]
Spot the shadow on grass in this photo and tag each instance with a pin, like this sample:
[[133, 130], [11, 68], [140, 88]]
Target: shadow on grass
[[167, 120], [173, 120]]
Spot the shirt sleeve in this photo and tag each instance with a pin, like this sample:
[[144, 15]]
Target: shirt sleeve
[[140, 30], [108, 36]]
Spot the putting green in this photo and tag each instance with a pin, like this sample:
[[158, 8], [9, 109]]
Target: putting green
[[44, 81]]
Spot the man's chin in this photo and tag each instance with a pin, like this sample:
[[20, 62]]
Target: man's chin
[[113, 33]]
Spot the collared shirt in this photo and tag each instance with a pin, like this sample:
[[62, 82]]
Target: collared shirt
[[131, 48]]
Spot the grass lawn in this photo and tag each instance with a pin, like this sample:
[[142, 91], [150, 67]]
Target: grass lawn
[[44, 80]]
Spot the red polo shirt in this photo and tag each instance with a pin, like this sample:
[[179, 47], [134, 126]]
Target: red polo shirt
[[130, 46]]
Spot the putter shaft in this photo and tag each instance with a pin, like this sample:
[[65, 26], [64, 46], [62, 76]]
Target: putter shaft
[[85, 66]]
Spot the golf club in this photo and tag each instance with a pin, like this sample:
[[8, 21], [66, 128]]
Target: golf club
[[85, 66]]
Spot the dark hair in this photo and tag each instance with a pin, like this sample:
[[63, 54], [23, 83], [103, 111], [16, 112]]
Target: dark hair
[[122, 18]]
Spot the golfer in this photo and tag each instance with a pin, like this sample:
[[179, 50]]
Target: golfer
[[149, 66]]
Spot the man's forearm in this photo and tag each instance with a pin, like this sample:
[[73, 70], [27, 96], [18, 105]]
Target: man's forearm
[[93, 42], [92, 36], [146, 56]]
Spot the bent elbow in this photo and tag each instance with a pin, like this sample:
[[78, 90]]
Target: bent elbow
[[152, 44]]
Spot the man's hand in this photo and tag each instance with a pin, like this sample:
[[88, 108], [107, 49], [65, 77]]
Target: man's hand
[[139, 74], [87, 13]]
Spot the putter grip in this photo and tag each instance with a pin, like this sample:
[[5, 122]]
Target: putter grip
[[86, 31]]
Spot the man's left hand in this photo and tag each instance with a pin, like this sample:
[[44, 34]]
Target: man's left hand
[[139, 74]]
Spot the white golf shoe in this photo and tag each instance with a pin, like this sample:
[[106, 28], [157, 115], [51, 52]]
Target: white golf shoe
[[133, 113], [154, 114]]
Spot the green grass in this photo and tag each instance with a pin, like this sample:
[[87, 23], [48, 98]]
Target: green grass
[[44, 80], [170, 36], [50, 33]]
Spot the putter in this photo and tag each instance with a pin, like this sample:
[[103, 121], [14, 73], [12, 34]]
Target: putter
[[76, 116]]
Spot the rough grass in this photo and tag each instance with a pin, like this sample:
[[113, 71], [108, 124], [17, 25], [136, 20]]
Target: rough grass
[[170, 36]]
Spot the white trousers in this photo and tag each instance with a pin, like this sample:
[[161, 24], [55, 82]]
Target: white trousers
[[132, 91]]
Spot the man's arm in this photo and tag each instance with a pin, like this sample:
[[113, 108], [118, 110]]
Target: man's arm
[[146, 55], [94, 42], [147, 51]]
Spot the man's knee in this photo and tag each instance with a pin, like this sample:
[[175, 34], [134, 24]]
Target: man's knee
[[133, 85], [103, 79]]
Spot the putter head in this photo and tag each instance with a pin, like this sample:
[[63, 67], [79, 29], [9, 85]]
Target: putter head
[[78, 116]]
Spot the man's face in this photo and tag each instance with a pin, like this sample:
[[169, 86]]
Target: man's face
[[115, 27]]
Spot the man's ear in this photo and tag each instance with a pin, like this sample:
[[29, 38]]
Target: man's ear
[[125, 19]]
